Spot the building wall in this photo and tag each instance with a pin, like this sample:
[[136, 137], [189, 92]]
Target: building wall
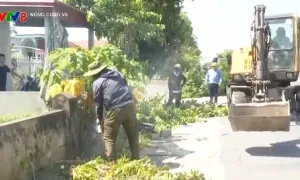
[[28, 66]]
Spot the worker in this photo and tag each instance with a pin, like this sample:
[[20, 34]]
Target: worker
[[4, 70], [281, 41], [280, 58], [213, 80], [114, 107], [215, 60], [176, 82], [30, 84]]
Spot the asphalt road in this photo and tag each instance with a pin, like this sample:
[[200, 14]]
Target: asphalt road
[[237, 155], [260, 155]]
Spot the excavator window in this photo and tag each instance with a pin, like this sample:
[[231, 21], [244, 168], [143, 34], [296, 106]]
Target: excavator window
[[282, 33], [281, 55]]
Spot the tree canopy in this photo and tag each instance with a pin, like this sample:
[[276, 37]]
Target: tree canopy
[[225, 53], [154, 31]]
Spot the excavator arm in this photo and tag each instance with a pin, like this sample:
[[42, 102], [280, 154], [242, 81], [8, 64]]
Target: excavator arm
[[260, 47]]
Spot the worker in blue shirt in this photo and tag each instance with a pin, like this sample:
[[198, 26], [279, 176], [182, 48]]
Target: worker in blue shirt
[[213, 80]]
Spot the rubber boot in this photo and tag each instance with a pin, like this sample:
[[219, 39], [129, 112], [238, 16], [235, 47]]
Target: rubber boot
[[211, 100], [216, 99]]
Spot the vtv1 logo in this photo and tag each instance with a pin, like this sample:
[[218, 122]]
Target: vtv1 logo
[[9, 16]]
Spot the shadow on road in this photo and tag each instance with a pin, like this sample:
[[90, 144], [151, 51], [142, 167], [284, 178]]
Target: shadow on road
[[280, 149], [165, 151]]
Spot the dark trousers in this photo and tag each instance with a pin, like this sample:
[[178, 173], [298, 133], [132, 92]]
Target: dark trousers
[[213, 90], [2, 88], [177, 97], [125, 116]]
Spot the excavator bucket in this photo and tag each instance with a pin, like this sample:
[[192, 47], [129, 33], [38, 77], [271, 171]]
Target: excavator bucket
[[273, 116]]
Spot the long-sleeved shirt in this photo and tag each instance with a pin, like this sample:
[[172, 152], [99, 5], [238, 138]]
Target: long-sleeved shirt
[[176, 82], [110, 91], [213, 76]]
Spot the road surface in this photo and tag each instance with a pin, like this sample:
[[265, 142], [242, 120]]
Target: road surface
[[225, 155], [221, 154], [260, 155]]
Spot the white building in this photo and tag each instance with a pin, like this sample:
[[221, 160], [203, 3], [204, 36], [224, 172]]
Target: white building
[[56, 35]]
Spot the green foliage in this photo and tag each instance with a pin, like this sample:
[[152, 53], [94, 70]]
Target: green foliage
[[195, 86], [124, 23], [153, 31], [153, 111], [126, 169], [70, 63], [225, 53], [180, 46], [114, 57], [224, 67], [38, 73], [189, 55], [83, 5], [225, 73]]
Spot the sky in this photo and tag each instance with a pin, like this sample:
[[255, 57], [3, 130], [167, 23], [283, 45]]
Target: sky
[[218, 24]]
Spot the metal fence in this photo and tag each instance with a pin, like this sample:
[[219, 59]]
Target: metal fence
[[28, 66]]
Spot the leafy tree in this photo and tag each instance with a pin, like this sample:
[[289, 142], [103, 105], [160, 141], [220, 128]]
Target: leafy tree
[[123, 22], [83, 5], [155, 31], [178, 38], [190, 54], [225, 53]]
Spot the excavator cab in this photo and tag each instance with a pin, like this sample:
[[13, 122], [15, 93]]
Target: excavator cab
[[259, 82], [283, 53]]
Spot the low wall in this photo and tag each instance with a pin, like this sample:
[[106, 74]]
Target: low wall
[[38, 140], [58, 135], [20, 102]]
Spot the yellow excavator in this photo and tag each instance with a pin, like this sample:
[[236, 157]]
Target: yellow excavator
[[260, 95]]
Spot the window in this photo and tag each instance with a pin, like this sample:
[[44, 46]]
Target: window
[[282, 33], [281, 55]]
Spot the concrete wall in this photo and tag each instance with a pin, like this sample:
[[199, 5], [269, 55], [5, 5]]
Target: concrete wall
[[64, 133], [39, 140], [18, 102]]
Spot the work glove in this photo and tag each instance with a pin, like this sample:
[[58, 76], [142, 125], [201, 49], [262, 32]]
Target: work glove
[[101, 124]]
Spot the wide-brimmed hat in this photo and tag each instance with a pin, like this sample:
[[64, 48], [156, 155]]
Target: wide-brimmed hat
[[94, 68], [214, 64], [178, 66]]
